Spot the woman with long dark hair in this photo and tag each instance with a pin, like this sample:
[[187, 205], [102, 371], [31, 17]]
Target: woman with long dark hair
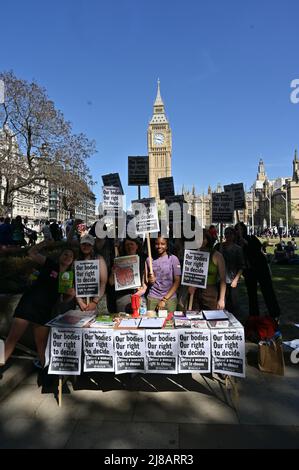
[[209, 298], [165, 280], [37, 303]]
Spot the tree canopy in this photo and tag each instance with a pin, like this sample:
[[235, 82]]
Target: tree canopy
[[37, 143]]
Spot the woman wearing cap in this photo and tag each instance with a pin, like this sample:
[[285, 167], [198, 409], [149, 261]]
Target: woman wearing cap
[[87, 253]]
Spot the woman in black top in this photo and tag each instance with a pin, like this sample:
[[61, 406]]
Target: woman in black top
[[256, 271], [37, 303]]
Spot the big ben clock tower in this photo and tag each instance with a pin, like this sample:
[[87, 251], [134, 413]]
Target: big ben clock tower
[[159, 144]]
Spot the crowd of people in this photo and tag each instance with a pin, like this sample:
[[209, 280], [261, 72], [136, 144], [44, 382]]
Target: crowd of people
[[240, 254], [17, 232]]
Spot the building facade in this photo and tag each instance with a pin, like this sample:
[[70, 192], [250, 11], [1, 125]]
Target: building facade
[[40, 200]]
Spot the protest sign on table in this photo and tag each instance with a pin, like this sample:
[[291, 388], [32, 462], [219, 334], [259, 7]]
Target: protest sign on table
[[65, 351], [228, 349], [98, 350], [129, 351], [194, 351], [161, 351]]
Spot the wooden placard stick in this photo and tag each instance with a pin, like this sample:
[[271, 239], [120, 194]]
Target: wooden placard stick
[[221, 233], [190, 306], [237, 215], [149, 250], [60, 391]]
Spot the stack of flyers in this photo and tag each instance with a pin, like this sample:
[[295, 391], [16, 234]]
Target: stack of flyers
[[194, 315], [182, 323], [198, 324], [218, 323]]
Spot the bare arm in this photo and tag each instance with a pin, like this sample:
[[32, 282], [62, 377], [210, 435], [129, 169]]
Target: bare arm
[[172, 290], [235, 281], [103, 276], [35, 255], [219, 261], [142, 290], [103, 281]]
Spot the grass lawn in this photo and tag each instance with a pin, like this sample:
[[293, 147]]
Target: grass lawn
[[286, 285]]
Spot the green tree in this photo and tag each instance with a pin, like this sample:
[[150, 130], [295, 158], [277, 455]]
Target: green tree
[[37, 143]]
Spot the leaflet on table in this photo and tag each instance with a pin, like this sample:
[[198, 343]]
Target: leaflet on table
[[103, 321], [194, 315], [218, 323], [215, 315], [128, 323], [151, 322], [73, 318], [182, 322]]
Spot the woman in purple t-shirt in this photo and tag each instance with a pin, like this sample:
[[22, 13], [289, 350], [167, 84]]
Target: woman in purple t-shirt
[[165, 280]]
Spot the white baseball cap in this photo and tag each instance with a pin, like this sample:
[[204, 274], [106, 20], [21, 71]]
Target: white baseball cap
[[87, 239]]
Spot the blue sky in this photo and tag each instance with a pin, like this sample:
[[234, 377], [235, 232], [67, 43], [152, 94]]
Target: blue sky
[[225, 68]]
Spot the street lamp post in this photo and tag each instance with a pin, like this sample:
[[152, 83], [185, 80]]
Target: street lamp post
[[270, 209], [287, 211], [252, 215]]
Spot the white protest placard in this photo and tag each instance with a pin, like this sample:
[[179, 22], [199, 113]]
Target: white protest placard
[[161, 351], [222, 208], [112, 179], [87, 278], [129, 351], [166, 187], [65, 351], [146, 215], [228, 351], [112, 199], [195, 268], [98, 350], [194, 351], [138, 171], [126, 272]]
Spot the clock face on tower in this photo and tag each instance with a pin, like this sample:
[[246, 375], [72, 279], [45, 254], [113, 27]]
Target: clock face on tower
[[159, 139]]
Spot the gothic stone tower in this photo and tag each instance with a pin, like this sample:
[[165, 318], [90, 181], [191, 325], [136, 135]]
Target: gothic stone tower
[[159, 144]]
